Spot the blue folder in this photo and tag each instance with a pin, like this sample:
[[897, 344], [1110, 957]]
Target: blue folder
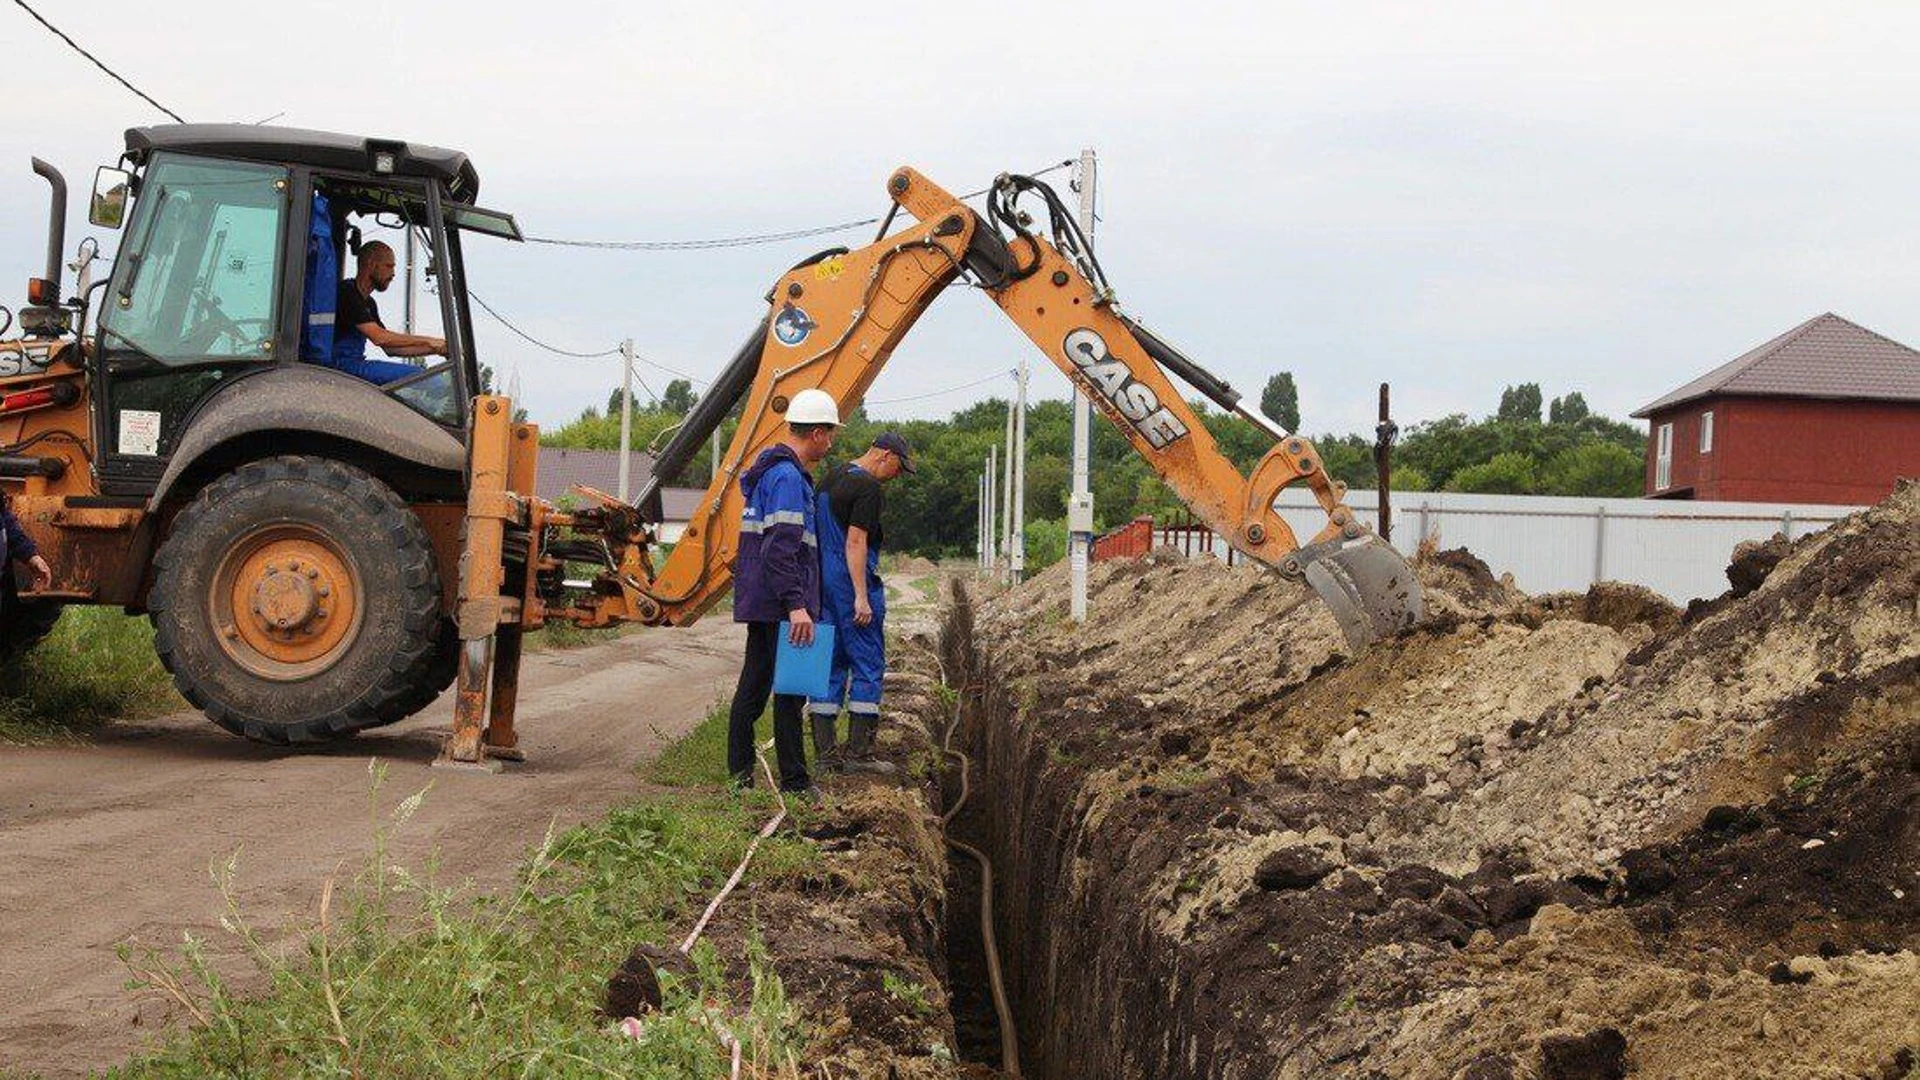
[[804, 669]]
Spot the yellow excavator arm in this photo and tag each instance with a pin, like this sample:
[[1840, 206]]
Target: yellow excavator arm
[[835, 320], [831, 324]]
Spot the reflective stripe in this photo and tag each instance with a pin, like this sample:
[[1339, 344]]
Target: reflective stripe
[[824, 708], [785, 517], [864, 708], [756, 528], [320, 318]]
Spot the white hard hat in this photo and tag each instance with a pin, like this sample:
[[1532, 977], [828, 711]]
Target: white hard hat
[[813, 407]]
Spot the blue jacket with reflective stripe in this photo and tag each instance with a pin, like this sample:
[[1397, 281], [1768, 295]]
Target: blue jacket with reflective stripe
[[777, 569], [15, 544]]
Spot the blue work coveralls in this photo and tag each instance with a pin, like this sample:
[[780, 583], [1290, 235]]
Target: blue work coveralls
[[859, 652], [777, 570]]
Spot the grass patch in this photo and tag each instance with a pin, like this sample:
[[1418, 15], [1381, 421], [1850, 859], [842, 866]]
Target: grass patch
[[402, 976], [96, 666], [697, 759]]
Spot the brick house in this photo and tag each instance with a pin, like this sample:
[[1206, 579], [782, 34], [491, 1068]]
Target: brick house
[[1828, 412]]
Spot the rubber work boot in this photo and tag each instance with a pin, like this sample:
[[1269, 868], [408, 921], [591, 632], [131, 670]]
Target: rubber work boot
[[859, 756], [826, 751]]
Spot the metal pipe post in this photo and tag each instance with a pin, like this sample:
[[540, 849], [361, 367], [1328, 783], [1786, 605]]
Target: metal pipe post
[[410, 295]]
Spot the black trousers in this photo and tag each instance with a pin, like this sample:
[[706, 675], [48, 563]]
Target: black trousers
[[750, 700]]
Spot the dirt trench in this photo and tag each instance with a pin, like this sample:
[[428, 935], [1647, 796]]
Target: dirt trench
[[1583, 835]]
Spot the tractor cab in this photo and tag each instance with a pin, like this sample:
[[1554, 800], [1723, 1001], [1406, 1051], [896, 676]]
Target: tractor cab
[[237, 242]]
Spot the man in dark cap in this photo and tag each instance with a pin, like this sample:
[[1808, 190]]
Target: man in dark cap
[[854, 599]]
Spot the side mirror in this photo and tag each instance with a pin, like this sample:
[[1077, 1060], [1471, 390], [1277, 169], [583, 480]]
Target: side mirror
[[108, 207]]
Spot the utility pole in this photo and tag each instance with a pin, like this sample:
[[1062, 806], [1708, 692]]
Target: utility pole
[[716, 455], [1080, 502], [626, 413], [1018, 545], [993, 506], [1003, 525]]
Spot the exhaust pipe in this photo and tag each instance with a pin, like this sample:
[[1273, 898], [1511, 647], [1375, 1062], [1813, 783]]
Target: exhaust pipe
[[56, 225]]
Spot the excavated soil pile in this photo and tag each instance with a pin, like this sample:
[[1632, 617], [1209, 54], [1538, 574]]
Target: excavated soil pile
[[1582, 835]]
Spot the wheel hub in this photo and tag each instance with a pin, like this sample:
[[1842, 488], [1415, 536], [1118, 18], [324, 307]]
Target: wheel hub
[[287, 602]]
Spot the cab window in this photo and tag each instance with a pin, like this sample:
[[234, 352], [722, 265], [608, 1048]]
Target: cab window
[[198, 279]]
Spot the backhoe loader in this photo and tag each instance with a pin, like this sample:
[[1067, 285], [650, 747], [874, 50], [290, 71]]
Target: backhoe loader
[[320, 555]]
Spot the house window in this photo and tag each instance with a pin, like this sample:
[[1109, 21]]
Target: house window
[[1663, 458], [1706, 432]]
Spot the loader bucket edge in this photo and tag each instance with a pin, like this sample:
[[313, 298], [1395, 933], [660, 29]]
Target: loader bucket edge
[[1371, 589]]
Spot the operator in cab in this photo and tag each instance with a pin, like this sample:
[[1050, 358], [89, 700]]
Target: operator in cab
[[357, 322]]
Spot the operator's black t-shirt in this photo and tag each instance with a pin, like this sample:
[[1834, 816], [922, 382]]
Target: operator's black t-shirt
[[855, 499], [354, 309]]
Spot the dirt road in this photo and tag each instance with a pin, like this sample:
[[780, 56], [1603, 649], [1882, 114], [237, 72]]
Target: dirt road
[[112, 841]]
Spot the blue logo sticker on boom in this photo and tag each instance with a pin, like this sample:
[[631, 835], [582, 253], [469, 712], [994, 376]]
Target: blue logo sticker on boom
[[792, 325]]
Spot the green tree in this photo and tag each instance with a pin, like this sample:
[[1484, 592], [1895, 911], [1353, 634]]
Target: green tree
[[1046, 543], [1570, 409], [1594, 469], [1506, 474], [1281, 401], [1520, 404], [678, 397]]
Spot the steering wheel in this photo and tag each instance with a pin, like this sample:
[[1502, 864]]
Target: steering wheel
[[246, 333]]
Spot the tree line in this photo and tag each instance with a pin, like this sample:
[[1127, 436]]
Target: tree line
[[1525, 446]]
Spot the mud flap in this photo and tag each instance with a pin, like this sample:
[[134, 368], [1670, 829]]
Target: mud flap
[[1370, 587]]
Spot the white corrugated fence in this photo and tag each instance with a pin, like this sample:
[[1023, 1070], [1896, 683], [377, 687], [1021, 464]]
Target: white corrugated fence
[[1550, 543]]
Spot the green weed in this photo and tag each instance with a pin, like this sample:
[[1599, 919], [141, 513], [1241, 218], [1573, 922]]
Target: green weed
[[699, 758], [907, 992], [96, 666], [400, 975]]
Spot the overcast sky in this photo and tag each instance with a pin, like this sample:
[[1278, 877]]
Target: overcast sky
[[1448, 197]]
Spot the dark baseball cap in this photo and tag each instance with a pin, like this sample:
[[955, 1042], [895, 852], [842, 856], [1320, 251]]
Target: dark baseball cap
[[892, 440]]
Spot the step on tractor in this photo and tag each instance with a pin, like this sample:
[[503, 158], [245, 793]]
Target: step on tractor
[[321, 553]]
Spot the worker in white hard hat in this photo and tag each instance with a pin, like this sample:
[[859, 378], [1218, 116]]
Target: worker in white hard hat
[[777, 579]]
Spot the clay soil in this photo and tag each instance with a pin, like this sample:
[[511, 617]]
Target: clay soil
[[1582, 835]]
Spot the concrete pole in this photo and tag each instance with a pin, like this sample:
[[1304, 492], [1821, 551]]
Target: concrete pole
[[1003, 525], [715, 478], [980, 520], [1018, 545], [626, 413], [1080, 502], [993, 506]]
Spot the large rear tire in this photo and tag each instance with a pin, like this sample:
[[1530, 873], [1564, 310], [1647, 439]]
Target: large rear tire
[[436, 672], [296, 599]]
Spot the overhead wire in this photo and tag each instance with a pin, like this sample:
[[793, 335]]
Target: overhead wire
[[530, 339], [938, 393], [76, 46], [748, 240]]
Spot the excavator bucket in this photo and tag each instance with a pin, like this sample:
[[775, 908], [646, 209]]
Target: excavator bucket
[[1370, 587]]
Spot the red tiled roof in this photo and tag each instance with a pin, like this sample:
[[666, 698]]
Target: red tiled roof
[[1825, 357], [562, 468]]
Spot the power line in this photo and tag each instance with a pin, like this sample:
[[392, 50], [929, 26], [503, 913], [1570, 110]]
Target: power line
[[937, 393], [743, 241], [530, 339], [57, 32]]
